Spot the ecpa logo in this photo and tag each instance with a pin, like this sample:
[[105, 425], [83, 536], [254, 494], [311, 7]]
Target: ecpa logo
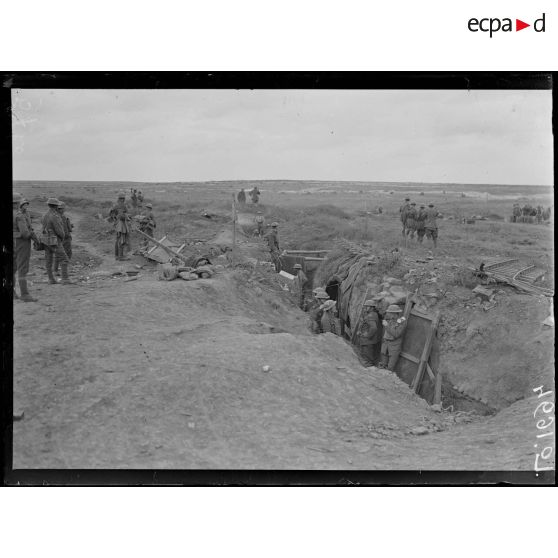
[[492, 25]]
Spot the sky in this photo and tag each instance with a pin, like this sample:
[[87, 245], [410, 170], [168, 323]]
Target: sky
[[486, 137]]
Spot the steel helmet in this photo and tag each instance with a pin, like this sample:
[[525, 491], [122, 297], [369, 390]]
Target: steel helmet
[[121, 194], [394, 308], [53, 202], [23, 201], [322, 294], [149, 205], [370, 302], [297, 266], [274, 224]]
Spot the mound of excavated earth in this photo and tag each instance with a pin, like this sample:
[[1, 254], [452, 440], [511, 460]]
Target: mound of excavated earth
[[154, 374]]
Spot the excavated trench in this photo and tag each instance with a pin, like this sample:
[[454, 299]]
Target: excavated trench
[[479, 375]]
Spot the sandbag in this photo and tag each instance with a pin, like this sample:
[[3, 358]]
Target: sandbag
[[167, 272]]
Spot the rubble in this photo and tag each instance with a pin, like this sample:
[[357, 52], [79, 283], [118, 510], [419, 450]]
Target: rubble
[[483, 294]]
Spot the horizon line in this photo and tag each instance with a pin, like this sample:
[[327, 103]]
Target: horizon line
[[282, 180]]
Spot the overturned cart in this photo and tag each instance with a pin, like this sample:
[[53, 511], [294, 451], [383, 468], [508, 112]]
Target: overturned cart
[[173, 263]]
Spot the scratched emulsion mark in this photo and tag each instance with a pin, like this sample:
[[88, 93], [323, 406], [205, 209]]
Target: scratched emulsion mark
[[545, 439], [22, 116]]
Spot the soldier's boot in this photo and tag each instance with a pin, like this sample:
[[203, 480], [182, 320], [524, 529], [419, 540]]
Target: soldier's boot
[[65, 278], [25, 296], [50, 275]]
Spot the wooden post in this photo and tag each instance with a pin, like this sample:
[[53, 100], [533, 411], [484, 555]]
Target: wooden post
[[437, 389], [425, 354], [234, 230]]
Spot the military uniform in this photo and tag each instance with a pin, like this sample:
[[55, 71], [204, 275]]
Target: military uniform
[[299, 286], [410, 222], [315, 312], [330, 323], [255, 195], [148, 225], [120, 214], [23, 234], [421, 218], [274, 250], [67, 242], [369, 338], [53, 239], [394, 328], [241, 197], [430, 225], [403, 214], [259, 220]]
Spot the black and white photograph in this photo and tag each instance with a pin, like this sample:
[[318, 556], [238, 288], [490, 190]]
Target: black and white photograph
[[283, 277]]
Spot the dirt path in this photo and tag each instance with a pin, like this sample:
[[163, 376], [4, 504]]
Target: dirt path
[[151, 374]]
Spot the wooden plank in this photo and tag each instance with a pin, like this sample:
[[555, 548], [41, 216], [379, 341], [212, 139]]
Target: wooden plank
[[409, 357], [430, 373], [165, 248], [437, 389], [299, 252], [421, 314], [153, 248], [425, 354]]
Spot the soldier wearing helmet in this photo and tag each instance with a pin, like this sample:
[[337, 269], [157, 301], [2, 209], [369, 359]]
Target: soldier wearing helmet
[[120, 215], [259, 220], [411, 221], [430, 225], [53, 241], [147, 224], [394, 328], [369, 332], [330, 322], [23, 234], [316, 311], [67, 242], [300, 285]]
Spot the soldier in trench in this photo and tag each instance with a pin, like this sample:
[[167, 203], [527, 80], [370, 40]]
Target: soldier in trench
[[369, 333], [394, 328], [300, 285]]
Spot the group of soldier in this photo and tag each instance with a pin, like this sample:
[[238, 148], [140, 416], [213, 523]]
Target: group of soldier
[[254, 194], [121, 216], [378, 338], [523, 214], [422, 221], [55, 240]]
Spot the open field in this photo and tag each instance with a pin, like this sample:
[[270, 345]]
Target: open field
[[151, 374]]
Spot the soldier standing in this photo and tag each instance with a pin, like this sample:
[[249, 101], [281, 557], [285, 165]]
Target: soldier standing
[[516, 212], [430, 225], [273, 245], [316, 310], [241, 197], [330, 321], [259, 220], [421, 218], [121, 216], [23, 234], [394, 328], [140, 198], [403, 214], [411, 221], [148, 225], [369, 333], [300, 285], [53, 241], [67, 242], [255, 195]]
